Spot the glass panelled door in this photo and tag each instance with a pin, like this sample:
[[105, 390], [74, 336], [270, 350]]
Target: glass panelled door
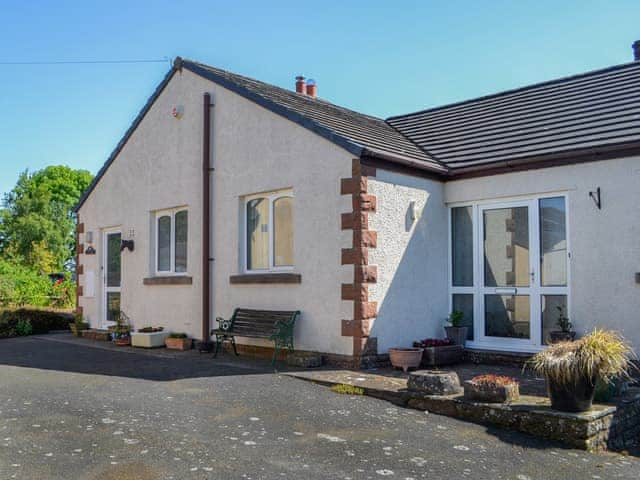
[[112, 275], [509, 271], [508, 275]]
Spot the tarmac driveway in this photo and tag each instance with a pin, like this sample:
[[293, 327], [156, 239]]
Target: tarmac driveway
[[71, 409]]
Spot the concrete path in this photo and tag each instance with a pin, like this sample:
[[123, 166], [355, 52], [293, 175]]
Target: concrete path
[[69, 410]]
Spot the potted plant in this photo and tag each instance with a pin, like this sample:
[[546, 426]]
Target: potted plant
[[492, 389], [78, 325], [121, 332], [149, 337], [455, 331], [178, 341], [572, 369], [566, 332], [405, 358], [439, 351]]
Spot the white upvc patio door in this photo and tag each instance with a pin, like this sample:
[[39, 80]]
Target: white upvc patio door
[[509, 270], [508, 300], [111, 275]]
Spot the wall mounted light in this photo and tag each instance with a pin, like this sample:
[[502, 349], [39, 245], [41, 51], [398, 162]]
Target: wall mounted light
[[595, 196], [128, 244]]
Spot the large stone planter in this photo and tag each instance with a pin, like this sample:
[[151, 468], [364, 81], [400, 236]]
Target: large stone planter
[[457, 334], [434, 382], [445, 355], [481, 392], [148, 340], [405, 358]]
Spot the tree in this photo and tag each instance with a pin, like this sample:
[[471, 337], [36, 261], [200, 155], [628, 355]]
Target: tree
[[36, 221]]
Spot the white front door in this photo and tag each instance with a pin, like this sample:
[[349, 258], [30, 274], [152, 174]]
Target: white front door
[[111, 276], [509, 270]]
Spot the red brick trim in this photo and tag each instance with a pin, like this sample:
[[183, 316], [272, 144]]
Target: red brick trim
[[80, 248], [79, 290], [80, 228], [364, 311], [79, 270]]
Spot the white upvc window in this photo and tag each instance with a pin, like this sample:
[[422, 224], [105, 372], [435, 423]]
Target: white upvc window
[[171, 241], [268, 232]]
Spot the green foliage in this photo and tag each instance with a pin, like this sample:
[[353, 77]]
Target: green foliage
[[23, 327], [36, 222], [41, 321], [20, 286], [346, 389], [178, 335], [455, 318]]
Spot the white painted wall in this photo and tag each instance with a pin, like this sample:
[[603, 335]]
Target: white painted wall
[[604, 244], [411, 256], [253, 151]]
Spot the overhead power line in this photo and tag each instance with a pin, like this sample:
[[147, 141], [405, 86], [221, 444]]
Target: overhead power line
[[75, 62]]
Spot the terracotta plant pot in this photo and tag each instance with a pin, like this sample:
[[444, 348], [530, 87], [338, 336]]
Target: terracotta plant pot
[[480, 392], [576, 397], [405, 358], [444, 355], [123, 342], [178, 343], [457, 334]]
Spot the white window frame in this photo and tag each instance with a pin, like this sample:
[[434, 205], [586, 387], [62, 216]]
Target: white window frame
[[537, 290], [171, 212], [271, 197]]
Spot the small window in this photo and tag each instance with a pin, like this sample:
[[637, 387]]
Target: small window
[[268, 232], [172, 227]]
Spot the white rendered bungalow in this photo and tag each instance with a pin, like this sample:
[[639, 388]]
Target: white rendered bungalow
[[228, 192]]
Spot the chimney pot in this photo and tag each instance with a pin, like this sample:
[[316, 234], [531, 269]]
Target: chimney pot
[[300, 84], [636, 50], [312, 88]]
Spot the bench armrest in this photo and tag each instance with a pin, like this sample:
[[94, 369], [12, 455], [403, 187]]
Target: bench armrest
[[223, 324]]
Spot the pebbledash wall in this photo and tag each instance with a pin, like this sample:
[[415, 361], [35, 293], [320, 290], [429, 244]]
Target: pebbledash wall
[[604, 244], [253, 151]]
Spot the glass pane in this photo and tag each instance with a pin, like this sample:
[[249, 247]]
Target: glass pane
[[462, 246], [283, 232], [506, 247], [464, 303], [507, 316], [181, 241], [552, 307], [113, 259], [257, 234], [553, 242], [113, 306], [164, 243]]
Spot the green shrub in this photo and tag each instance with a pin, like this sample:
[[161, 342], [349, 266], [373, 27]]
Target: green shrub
[[20, 286], [41, 321], [23, 327], [178, 335]]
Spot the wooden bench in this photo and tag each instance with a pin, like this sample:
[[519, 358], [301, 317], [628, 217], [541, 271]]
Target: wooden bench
[[276, 326]]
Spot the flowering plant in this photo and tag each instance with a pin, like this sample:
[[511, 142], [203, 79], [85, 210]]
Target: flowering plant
[[433, 342], [492, 380]]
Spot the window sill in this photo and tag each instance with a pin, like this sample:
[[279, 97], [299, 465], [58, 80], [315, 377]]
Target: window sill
[[265, 278], [168, 280]]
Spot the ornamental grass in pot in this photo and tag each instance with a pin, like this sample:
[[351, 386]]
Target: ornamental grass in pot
[[455, 330], [572, 369]]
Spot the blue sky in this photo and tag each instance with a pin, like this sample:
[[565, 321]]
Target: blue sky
[[378, 57]]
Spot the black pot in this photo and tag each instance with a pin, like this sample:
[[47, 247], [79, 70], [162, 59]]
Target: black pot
[[560, 336], [572, 397]]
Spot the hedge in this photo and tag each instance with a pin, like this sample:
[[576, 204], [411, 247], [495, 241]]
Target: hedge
[[42, 321]]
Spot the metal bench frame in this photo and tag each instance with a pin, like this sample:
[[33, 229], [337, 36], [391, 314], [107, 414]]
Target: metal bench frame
[[276, 326]]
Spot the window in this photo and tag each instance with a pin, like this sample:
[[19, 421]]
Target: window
[[172, 227], [268, 225]]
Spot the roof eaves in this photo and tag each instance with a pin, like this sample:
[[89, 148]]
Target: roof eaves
[[349, 145], [125, 138]]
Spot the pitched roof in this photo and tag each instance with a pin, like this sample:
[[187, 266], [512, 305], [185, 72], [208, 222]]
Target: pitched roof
[[357, 132], [588, 112]]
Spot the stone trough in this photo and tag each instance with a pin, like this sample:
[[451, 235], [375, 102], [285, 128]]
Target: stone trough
[[613, 426]]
